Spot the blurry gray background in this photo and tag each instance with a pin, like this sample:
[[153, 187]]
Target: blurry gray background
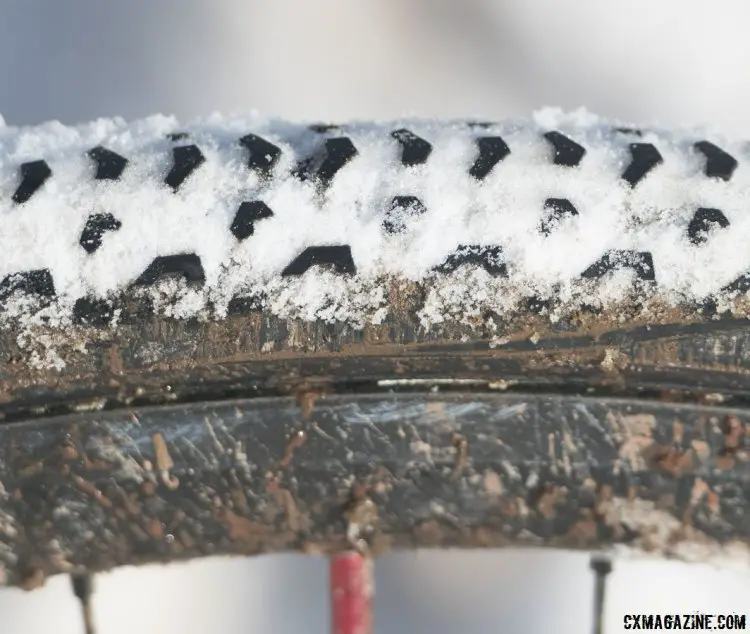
[[674, 62]]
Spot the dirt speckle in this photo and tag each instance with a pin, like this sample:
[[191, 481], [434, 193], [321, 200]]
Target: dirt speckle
[[636, 432], [461, 445], [493, 484], [306, 398], [242, 529], [90, 489], [296, 440], [544, 498], [362, 517], [611, 361], [156, 530], [164, 462], [33, 579], [295, 520], [701, 448], [670, 460], [733, 431]]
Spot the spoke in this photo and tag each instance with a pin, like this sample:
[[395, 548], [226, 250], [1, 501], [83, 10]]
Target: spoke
[[601, 566], [351, 580], [83, 588]]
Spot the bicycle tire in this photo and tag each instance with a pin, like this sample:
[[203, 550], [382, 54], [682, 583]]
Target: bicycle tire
[[244, 336]]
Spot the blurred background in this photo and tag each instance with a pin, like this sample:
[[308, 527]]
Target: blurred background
[[673, 62]]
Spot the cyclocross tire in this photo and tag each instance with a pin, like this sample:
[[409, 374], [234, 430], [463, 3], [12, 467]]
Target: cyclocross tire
[[245, 335]]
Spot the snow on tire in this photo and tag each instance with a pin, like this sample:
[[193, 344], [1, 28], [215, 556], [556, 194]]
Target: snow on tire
[[562, 212]]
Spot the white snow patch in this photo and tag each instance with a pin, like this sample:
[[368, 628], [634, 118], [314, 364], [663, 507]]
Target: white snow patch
[[504, 210]]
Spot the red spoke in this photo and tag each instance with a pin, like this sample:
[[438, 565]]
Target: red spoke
[[352, 591]]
